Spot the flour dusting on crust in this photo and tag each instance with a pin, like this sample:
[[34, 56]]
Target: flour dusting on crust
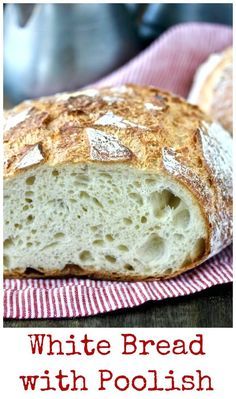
[[176, 168], [217, 153], [66, 96], [13, 120], [114, 120], [32, 156], [112, 100], [105, 147], [152, 107]]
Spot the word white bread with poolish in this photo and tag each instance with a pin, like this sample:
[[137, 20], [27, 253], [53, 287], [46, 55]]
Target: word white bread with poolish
[[126, 183], [212, 88]]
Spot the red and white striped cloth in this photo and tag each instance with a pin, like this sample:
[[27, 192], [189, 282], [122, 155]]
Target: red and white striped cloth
[[168, 63]]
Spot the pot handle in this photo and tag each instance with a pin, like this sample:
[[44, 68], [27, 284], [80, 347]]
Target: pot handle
[[21, 12]]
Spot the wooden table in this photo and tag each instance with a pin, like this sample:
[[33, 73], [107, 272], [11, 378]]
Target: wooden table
[[209, 308]]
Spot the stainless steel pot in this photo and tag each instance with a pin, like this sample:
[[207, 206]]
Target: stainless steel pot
[[54, 47]]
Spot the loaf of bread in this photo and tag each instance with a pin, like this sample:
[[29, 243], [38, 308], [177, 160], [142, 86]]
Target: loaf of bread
[[122, 183], [212, 88]]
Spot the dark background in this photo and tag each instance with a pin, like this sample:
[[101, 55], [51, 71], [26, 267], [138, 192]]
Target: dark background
[[134, 26]]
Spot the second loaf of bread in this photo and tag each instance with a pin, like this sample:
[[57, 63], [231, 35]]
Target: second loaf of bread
[[212, 88]]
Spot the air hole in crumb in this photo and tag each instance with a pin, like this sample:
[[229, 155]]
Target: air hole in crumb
[[29, 244], [8, 243], [150, 181], [30, 218], [84, 195], [6, 261], [96, 202], [71, 269], [110, 258], [85, 256], [30, 270], [137, 183], [199, 248], [143, 219], [173, 201], [168, 271], [18, 226], [109, 237], [127, 221], [123, 248], [163, 199], [29, 200], [82, 179], [182, 218], [55, 172], [128, 267], [107, 175], [93, 228], [98, 243], [30, 180], [59, 235], [29, 193], [178, 237], [152, 249], [51, 245]]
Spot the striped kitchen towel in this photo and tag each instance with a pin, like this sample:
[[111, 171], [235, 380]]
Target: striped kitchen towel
[[169, 63]]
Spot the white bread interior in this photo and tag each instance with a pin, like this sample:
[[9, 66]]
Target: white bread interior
[[112, 219]]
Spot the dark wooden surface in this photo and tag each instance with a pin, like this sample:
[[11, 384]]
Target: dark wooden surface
[[209, 308]]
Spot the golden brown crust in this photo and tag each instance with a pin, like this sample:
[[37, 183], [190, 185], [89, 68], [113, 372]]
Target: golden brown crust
[[215, 94], [78, 271], [60, 125], [147, 128]]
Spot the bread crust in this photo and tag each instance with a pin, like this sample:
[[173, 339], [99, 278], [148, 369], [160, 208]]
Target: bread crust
[[149, 130], [78, 271], [213, 88]]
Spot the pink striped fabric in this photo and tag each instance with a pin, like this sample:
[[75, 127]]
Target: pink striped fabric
[[168, 63]]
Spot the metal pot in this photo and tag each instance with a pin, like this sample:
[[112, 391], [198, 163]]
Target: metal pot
[[50, 48]]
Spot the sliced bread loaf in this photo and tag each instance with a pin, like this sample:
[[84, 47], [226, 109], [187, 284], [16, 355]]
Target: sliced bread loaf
[[120, 183]]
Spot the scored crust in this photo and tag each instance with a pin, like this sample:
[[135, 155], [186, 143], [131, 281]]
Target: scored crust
[[145, 128]]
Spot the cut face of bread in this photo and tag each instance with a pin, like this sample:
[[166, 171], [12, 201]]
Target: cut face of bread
[[114, 220]]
